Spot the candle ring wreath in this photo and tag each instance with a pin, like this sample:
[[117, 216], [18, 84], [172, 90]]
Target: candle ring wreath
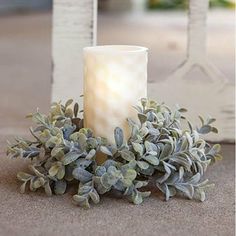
[[163, 146]]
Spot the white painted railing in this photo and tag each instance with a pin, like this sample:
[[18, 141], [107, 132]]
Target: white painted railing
[[74, 27]]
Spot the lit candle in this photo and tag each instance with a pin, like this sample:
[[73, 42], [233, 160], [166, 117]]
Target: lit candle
[[115, 79]]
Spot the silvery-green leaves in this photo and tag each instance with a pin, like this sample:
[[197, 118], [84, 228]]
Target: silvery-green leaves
[[206, 126], [35, 181], [63, 152], [119, 137], [86, 192]]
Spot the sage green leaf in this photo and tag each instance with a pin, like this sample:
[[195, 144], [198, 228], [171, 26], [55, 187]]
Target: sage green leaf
[[153, 131], [214, 130], [119, 137], [70, 157], [130, 174], [82, 141], [218, 157], [205, 129], [151, 159], [53, 170], [150, 147], [87, 132], [74, 136], [119, 185], [138, 148], [216, 148], [92, 143], [140, 184], [112, 170], [105, 181], [147, 172], [68, 172], [85, 204], [47, 189], [142, 165], [188, 190], [69, 102], [137, 108], [39, 128], [37, 183], [99, 186], [76, 109], [210, 120], [137, 198], [42, 180], [57, 151], [83, 163], [85, 188], [129, 191], [167, 192], [166, 151], [185, 162], [40, 119], [91, 154], [143, 131], [172, 191], [182, 110], [52, 142], [200, 168], [60, 187], [181, 172], [61, 172], [195, 179], [31, 186], [105, 150], [78, 198], [100, 170], [189, 139], [23, 176], [144, 102], [36, 171], [145, 194], [112, 179], [109, 163], [22, 187], [94, 196], [201, 119], [127, 155], [205, 164], [166, 175], [130, 165], [69, 113], [82, 175], [202, 196], [142, 118]]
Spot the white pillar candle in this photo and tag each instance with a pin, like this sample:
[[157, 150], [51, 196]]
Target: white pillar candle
[[115, 79]]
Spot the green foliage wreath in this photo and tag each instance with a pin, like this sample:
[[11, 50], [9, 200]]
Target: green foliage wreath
[[160, 148]]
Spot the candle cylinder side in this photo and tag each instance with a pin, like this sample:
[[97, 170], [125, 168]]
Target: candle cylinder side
[[115, 79]]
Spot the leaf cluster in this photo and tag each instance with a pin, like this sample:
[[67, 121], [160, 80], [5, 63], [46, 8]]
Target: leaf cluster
[[162, 146]]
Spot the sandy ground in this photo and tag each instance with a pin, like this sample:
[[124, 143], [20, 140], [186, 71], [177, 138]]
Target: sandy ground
[[25, 66]]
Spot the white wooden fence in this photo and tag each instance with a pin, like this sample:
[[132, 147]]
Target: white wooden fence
[[74, 27]]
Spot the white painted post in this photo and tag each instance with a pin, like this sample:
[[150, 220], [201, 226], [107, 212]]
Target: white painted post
[[196, 50], [74, 27], [212, 96]]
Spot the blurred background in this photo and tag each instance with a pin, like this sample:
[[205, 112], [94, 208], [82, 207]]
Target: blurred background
[[160, 25]]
